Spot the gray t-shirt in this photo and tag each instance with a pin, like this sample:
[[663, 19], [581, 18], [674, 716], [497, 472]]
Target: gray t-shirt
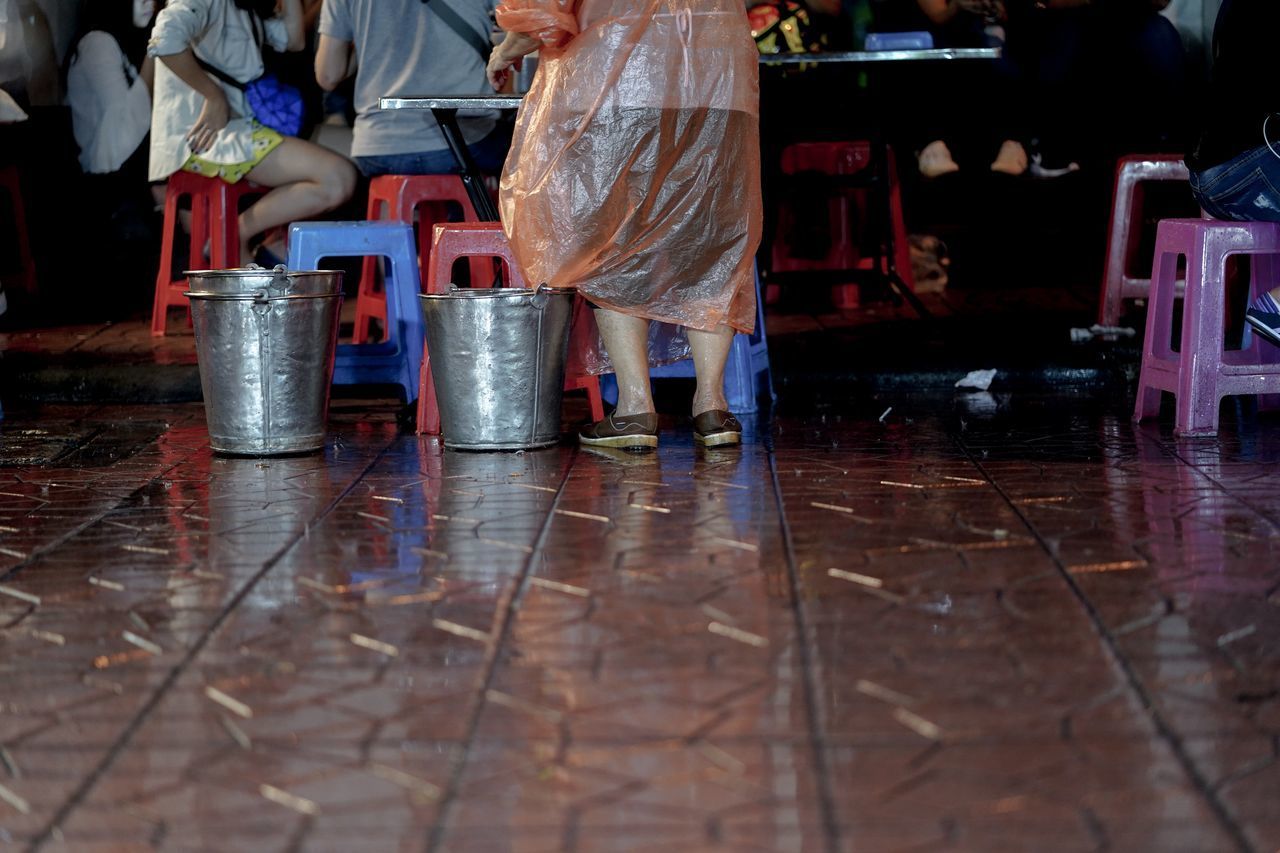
[[403, 49]]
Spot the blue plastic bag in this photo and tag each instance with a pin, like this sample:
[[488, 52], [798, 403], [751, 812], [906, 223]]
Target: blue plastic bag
[[277, 105]]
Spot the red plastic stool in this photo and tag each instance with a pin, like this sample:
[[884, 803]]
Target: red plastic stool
[[840, 158], [453, 240], [1202, 372], [396, 197], [25, 278], [215, 212], [1132, 172]]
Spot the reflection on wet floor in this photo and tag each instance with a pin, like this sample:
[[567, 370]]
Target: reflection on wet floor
[[990, 626]]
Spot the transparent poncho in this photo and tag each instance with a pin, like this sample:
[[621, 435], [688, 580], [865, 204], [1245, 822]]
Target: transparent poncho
[[634, 173]]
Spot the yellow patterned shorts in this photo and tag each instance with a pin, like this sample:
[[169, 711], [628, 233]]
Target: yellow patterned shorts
[[265, 141]]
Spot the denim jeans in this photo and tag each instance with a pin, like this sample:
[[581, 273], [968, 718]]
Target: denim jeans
[[1241, 189], [489, 153]]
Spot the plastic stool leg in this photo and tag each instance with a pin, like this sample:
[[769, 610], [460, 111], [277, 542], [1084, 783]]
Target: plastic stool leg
[[1155, 345], [398, 359], [1202, 332], [1112, 300], [739, 379], [160, 302]]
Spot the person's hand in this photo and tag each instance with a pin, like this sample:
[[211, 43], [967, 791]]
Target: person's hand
[[500, 66], [213, 118]]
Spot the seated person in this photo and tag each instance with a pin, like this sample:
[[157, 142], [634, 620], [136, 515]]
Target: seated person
[[407, 48], [1235, 159], [1118, 64], [109, 80], [203, 125], [970, 110]]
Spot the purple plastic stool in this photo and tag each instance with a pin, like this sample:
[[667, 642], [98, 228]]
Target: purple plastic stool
[[1126, 223], [1203, 372]]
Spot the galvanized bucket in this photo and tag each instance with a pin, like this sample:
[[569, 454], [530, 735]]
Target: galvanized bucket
[[497, 360], [265, 341]]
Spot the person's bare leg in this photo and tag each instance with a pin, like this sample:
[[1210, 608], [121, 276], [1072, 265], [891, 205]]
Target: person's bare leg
[[307, 180], [626, 339], [710, 353]]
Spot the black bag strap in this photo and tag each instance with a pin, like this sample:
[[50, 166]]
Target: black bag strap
[[467, 33], [256, 25], [220, 74]]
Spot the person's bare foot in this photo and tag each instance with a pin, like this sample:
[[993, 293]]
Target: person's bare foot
[[935, 160], [1011, 160]]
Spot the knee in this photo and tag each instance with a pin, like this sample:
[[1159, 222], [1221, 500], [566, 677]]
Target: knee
[[338, 183]]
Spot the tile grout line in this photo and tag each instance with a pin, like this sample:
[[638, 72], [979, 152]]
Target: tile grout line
[[436, 837], [41, 551], [1163, 729], [1263, 514], [162, 690], [826, 801], [101, 330]]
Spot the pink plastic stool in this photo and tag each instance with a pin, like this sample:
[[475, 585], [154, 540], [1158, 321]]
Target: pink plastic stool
[[454, 240], [1202, 373], [840, 159], [396, 197], [1126, 224], [215, 220], [11, 182]]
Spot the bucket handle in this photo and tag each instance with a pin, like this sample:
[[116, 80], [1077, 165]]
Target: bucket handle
[[278, 287], [539, 298]]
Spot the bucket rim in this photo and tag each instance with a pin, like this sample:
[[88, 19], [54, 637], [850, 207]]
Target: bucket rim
[[246, 272], [255, 296], [499, 292]]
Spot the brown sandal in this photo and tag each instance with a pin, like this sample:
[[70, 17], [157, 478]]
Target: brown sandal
[[717, 428], [629, 432]]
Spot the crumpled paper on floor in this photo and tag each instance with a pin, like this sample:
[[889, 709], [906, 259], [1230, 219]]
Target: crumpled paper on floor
[[979, 380], [1096, 330]]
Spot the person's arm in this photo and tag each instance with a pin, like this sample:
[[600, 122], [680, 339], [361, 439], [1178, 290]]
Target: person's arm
[[310, 14], [514, 48], [291, 13], [551, 22], [148, 74], [333, 62], [215, 113]]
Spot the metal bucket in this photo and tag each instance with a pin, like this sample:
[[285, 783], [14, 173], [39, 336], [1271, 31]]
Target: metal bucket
[[497, 360], [265, 341]]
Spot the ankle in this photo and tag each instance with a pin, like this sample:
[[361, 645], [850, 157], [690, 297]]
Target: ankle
[[709, 403], [634, 407]]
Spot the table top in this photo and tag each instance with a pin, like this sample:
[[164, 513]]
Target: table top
[[454, 102], [859, 57], [855, 57]]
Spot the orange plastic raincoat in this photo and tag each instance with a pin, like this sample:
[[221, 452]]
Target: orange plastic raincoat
[[634, 173]]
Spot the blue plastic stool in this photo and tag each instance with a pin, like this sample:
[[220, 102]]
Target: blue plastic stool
[[748, 358], [396, 360], [914, 40]]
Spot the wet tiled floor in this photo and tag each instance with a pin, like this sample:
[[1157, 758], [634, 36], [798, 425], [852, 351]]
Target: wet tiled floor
[[1015, 626]]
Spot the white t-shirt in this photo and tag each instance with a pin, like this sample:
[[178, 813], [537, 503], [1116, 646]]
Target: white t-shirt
[[222, 34], [404, 49], [110, 104]]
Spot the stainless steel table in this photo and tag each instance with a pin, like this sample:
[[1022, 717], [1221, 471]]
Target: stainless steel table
[[445, 109], [863, 57]]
